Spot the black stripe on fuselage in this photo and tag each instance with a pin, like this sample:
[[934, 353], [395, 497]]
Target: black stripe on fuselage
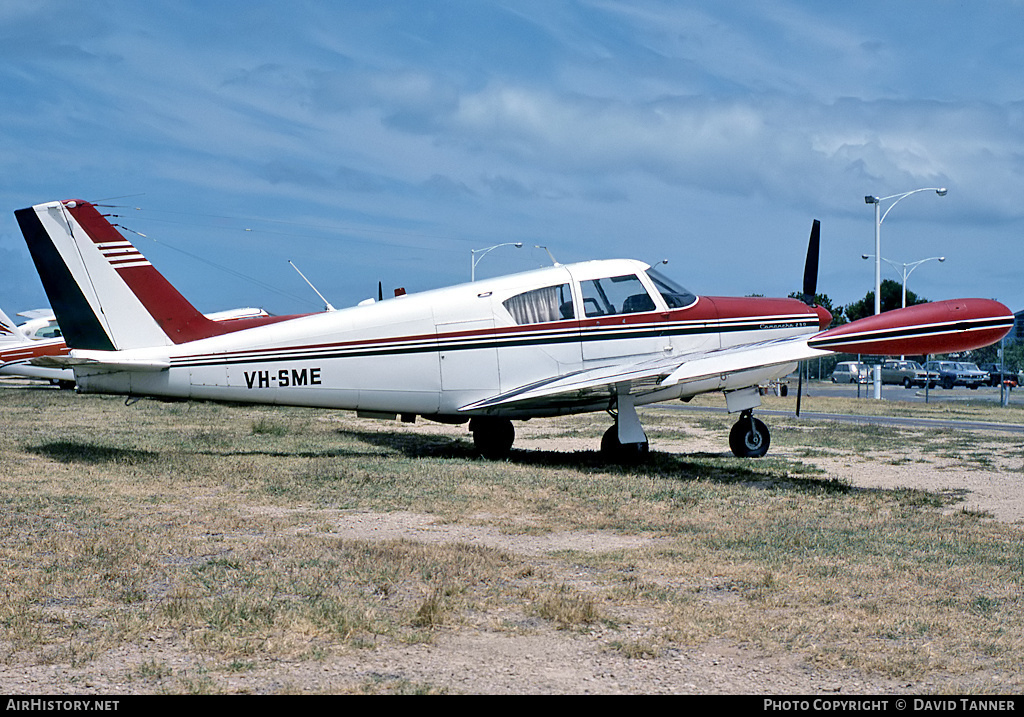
[[79, 325], [492, 341]]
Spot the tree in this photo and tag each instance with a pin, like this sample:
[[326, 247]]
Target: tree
[[1013, 356], [892, 298]]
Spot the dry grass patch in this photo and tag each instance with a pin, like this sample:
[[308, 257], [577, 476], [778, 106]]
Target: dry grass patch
[[217, 529]]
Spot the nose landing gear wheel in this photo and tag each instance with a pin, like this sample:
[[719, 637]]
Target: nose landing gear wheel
[[749, 437]]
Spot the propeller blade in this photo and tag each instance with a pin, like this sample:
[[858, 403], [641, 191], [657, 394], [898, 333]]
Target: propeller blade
[[811, 265]]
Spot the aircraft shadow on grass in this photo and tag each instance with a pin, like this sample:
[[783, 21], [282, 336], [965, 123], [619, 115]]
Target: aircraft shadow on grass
[[715, 467], [92, 453], [712, 467]]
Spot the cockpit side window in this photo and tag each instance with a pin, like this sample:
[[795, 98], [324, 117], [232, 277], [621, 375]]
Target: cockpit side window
[[675, 296], [615, 295], [552, 303]]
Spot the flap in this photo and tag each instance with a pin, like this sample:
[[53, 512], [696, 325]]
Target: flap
[[654, 375]]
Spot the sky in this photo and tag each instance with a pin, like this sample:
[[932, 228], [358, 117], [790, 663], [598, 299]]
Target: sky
[[384, 141]]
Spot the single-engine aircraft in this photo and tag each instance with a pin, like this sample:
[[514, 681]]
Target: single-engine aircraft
[[605, 335]]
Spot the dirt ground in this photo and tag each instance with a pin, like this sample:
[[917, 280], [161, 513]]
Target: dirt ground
[[541, 660]]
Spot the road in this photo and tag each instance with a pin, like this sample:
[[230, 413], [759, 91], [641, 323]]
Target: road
[[891, 393], [898, 393]]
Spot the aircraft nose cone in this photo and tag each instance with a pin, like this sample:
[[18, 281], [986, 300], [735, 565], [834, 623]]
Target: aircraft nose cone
[[824, 317]]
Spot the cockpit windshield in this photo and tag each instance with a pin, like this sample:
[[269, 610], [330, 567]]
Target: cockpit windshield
[[675, 296]]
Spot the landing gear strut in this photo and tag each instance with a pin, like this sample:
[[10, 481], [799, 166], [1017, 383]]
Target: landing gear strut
[[749, 437], [625, 442], [493, 436]]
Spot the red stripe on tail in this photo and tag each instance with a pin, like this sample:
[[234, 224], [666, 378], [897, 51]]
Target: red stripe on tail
[[172, 312]]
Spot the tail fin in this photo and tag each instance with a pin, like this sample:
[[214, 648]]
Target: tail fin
[[9, 331], [106, 296]]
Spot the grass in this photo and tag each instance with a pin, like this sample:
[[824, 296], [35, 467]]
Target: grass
[[216, 528]]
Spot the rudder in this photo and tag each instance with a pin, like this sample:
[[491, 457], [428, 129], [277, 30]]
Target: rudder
[[104, 292]]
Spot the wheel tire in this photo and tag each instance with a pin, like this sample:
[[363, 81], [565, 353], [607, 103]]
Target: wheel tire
[[947, 383], [749, 438], [907, 383], [617, 452], [492, 436]]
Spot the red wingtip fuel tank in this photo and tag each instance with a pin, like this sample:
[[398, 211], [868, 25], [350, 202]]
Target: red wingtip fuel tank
[[936, 328]]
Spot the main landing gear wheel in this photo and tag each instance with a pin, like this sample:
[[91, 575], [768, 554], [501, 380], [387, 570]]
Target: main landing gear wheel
[[492, 436], [749, 437], [618, 452]]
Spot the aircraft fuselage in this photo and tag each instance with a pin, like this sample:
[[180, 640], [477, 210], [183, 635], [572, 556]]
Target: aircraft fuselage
[[434, 352]]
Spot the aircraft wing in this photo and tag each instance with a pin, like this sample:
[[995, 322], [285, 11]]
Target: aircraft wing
[[652, 375], [939, 327]]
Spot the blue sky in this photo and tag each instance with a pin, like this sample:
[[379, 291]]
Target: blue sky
[[383, 141]]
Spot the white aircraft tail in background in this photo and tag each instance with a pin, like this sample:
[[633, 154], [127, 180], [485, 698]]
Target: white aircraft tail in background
[[592, 336], [36, 348], [19, 345]]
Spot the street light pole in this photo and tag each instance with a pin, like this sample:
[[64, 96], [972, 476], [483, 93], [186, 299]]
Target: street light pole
[[904, 270], [474, 259], [906, 273], [879, 218]]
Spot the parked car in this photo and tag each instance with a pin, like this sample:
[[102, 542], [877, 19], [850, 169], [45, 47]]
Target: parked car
[[907, 373], [952, 373], [997, 374], [851, 372]]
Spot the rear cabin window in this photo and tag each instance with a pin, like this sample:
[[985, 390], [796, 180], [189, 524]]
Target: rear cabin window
[[615, 295], [552, 303]]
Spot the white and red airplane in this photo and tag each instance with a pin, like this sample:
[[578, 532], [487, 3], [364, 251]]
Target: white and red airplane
[[37, 337], [593, 336], [40, 336]]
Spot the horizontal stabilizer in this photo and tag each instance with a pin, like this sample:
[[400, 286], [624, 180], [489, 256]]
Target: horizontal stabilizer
[[102, 363]]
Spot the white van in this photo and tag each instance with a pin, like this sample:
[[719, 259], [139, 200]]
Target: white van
[[851, 372]]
